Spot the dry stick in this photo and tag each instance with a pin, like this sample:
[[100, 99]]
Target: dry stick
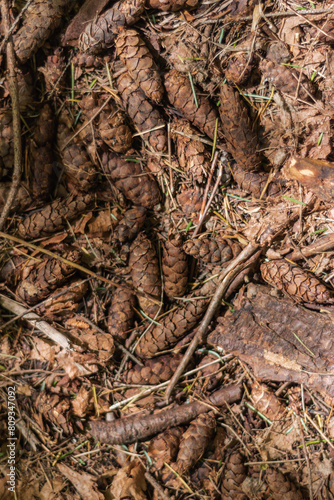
[[291, 14], [77, 266], [227, 277], [139, 427], [13, 90], [35, 321]]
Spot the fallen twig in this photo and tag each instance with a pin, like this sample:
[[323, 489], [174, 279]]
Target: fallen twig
[[13, 90]]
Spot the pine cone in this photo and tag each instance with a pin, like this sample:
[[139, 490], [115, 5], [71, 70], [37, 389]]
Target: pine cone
[[114, 130], [266, 402], [192, 155], [195, 441], [190, 201], [100, 34], [41, 18], [142, 113], [135, 55], [164, 447], [128, 228], [137, 185], [65, 305], [281, 487], [121, 313], [212, 251], [79, 171], [286, 79], [21, 201], [39, 280], [6, 146], [42, 153], [174, 267], [239, 68], [241, 141], [54, 72], [53, 217], [145, 273], [234, 475], [155, 370], [300, 285], [172, 5], [176, 324], [254, 182], [181, 96]]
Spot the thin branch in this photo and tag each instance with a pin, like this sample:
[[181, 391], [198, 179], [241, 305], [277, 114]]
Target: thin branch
[[13, 90]]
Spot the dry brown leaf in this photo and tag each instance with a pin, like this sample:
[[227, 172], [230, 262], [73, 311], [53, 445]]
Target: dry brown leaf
[[84, 483]]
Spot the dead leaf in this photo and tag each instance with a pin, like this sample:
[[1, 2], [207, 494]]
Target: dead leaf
[[129, 482], [84, 483]]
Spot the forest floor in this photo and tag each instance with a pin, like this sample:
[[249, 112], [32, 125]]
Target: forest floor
[[166, 249]]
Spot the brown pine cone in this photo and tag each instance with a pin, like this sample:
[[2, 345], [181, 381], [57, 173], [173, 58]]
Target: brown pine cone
[[195, 441], [192, 155], [174, 267], [41, 18], [155, 370], [39, 279], [266, 402], [241, 141], [121, 313], [164, 447], [142, 113], [234, 475], [176, 324], [190, 201], [42, 153], [172, 5], [64, 305], [114, 130], [6, 140], [137, 185], [212, 251], [239, 68], [100, 34], [254, 182], [144, 266], [54, 72], [286, 79], [181, 96], [135, 55], [53, 217], [281, 487], [300, 285], [21, 201], [79, 171], [128, 228]]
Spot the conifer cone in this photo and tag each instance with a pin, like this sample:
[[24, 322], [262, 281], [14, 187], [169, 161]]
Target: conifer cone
[[22, 199], [137, 185], [234, 475], [300, 285], [65, 305], [121, 313], [145, 273], [281, 487], [192, 155], [41, 153], [241, 141], [266, 402], [286, 79], [190, 201], [128, 228], [41, 18], [181, 96], [164, 447], [39, 280], [212, 251], [142, 113], [79, 171], [100, 34], [6, 146], [155, 370], [54, 72], [176, 324], [53, 217], [254, 182], [114, 130], [195, 441], [135, 55], [174, 267], [172, 5]]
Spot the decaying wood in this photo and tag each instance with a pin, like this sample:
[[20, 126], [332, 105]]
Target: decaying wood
[[280, 339], [131, 429], [315, 175]]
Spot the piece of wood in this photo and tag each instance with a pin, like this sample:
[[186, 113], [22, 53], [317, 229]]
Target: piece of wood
[[315, 175]]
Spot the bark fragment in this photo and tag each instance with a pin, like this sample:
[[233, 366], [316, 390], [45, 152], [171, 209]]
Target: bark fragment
[[121, 313], [315, 175], [41, 19], [137, 185], [135, 55], [181, 96], [241, 141], [145, 272], [300, 285], [53, 217], [174, 267]]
